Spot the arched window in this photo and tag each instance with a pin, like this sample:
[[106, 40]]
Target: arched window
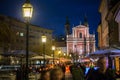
[[80, 35]]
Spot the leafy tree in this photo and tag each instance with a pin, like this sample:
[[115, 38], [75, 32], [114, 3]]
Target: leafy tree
[[7, 36]]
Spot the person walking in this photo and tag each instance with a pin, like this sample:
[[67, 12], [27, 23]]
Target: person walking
[[45, 75], [56, 74], [77, 72], [103, 72]]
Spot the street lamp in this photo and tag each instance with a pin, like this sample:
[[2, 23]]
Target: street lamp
[[53, 48], [27, 9], [44, 41]]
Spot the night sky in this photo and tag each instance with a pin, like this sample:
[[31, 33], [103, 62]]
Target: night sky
[[52, 14]]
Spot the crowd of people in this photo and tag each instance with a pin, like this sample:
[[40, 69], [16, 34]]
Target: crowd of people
[[57, 73], [54, 74], [78, 72], [104, 72]]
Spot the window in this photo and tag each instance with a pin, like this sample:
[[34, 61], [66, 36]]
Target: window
[[21, 34], [80, 35]]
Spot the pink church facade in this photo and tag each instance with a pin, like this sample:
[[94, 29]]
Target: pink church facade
[[80, 41]]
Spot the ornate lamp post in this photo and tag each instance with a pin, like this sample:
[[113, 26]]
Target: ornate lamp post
[[44, 41], [53, 48], [27, 9]]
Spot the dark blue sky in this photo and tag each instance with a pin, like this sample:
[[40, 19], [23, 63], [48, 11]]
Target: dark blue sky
[[52, 13]]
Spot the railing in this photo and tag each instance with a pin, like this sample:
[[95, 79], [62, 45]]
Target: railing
[[80, 39]]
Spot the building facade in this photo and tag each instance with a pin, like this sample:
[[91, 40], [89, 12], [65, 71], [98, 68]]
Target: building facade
[[61, 49], [103, 9], [117, 18], [109, 30], [80, 42], [18, 30], [60, 44]]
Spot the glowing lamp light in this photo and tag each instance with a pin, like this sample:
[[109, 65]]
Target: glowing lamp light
[[59, 52], [53, 48], [27, 9], [70, 55], [44, 39]]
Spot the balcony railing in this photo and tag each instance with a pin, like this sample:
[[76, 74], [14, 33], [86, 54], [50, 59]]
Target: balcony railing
[[80, 39]]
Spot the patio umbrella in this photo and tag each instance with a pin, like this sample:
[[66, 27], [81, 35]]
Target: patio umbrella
[[107, 52], [37, 57], [41, 57], [48, 57]]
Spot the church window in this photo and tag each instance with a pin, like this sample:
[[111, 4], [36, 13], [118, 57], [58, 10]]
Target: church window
[[80, 35]]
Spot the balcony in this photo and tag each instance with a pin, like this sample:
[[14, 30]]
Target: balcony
[[80, 39]]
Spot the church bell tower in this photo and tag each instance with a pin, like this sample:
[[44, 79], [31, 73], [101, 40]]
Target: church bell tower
[[67, 27]]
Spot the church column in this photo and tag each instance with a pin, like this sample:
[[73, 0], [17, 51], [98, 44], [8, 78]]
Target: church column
[[67, 49], [73, 32]]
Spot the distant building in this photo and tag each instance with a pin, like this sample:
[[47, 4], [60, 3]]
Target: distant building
[[80, 41], [60, 44]]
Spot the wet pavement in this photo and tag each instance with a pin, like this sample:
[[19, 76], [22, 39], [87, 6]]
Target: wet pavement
[[68, 75]]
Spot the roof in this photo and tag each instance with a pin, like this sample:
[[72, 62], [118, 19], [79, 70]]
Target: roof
[[61, 44]]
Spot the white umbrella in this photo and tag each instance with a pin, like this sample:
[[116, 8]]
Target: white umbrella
[[48, 57], [41, 57], [37, 57]]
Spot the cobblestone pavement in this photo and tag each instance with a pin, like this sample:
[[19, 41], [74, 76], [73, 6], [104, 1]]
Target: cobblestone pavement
[[68, 76]]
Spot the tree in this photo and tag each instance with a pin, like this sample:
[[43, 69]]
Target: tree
[[7, 36], [74, 56]]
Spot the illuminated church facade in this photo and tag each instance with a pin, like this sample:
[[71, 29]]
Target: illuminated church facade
[[80, 41]]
